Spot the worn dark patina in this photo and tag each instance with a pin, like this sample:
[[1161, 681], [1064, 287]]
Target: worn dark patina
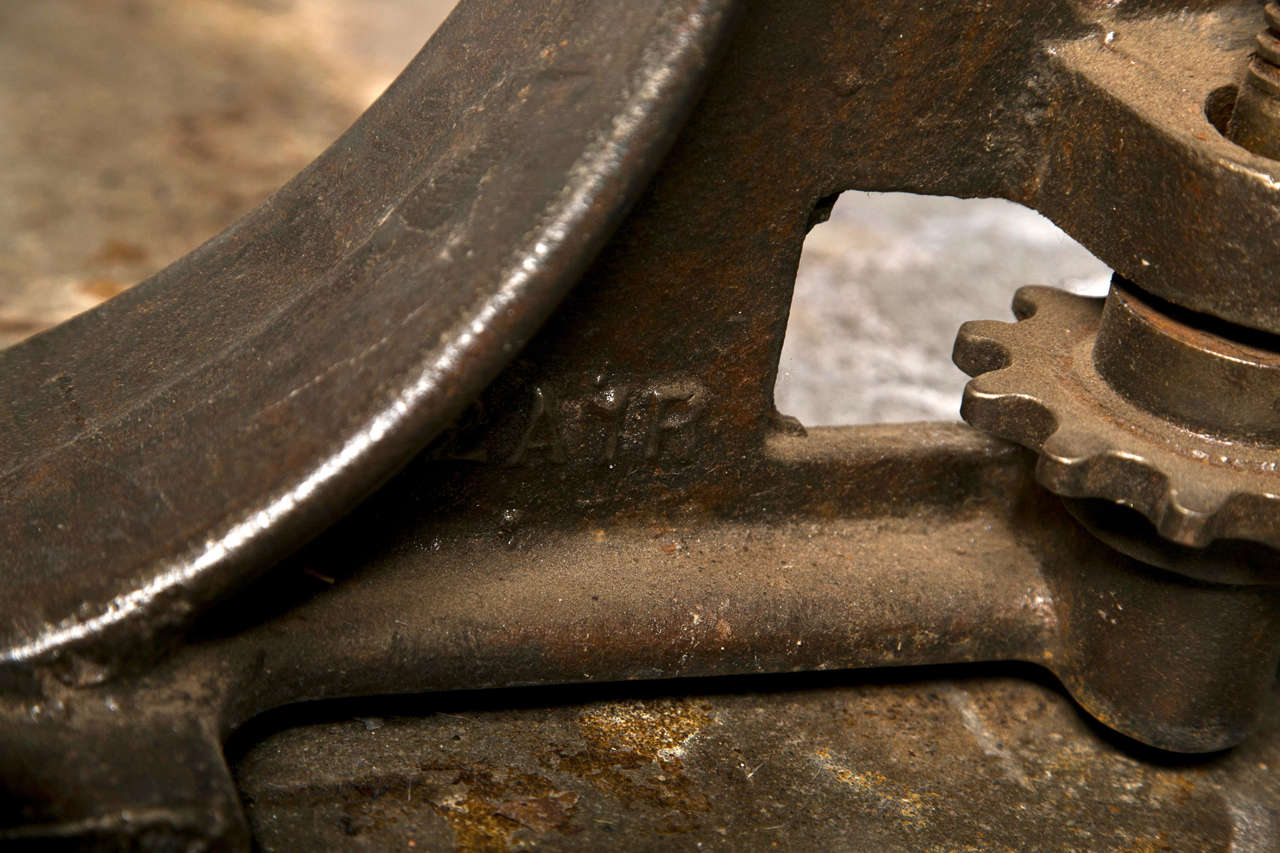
[[165, 447], [874, 760], [622, 501]]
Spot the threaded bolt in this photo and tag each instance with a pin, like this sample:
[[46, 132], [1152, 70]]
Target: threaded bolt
[[1255, 122]]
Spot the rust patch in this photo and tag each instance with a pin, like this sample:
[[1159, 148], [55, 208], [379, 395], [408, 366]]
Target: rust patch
[[541, 814], [652, 731], [1176, 788], [913, 807], [634, 752], [486, 808]]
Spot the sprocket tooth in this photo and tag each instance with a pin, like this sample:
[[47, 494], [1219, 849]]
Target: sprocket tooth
[[1197, 499], [1182, 515], [983, 346], [1108, 474], [1015, 417], [1032, 385], [1255, 517], [1192, 514], [1183, 525]]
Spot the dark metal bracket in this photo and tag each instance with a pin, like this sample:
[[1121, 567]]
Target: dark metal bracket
[[558, 255]]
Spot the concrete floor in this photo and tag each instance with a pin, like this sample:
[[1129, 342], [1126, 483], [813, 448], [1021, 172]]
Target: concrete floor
[[133, 130]]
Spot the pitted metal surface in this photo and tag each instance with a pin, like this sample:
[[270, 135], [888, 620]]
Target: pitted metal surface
[[346, 320], [950, 761], [623, 503]]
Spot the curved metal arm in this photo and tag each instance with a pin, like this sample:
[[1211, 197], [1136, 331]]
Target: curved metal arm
[[163, 448], [188, 434]]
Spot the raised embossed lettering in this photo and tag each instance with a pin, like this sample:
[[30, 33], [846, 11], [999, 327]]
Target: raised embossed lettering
[[610, 408], [673, 406], [543, 435], [607, 423]]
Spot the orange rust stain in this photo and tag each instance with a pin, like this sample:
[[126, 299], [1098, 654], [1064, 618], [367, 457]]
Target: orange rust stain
[[485, 809], [634, 754], [647, 730]]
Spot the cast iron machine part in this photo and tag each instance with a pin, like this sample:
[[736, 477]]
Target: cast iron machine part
[[1255, 116], [528, 310]]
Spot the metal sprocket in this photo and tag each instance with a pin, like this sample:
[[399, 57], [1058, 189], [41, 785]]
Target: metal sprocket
[[1037, 382]]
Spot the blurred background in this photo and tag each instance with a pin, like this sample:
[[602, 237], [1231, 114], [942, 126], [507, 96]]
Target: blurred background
[[133, 130]]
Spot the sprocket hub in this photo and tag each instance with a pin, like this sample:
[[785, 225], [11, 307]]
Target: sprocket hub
[[1134, 402]]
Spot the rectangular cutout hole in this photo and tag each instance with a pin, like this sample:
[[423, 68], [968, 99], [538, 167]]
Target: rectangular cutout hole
[[884, 284]]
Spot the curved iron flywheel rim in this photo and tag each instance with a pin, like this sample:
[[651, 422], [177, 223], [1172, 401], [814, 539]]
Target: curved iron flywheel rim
[[165, 447]]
